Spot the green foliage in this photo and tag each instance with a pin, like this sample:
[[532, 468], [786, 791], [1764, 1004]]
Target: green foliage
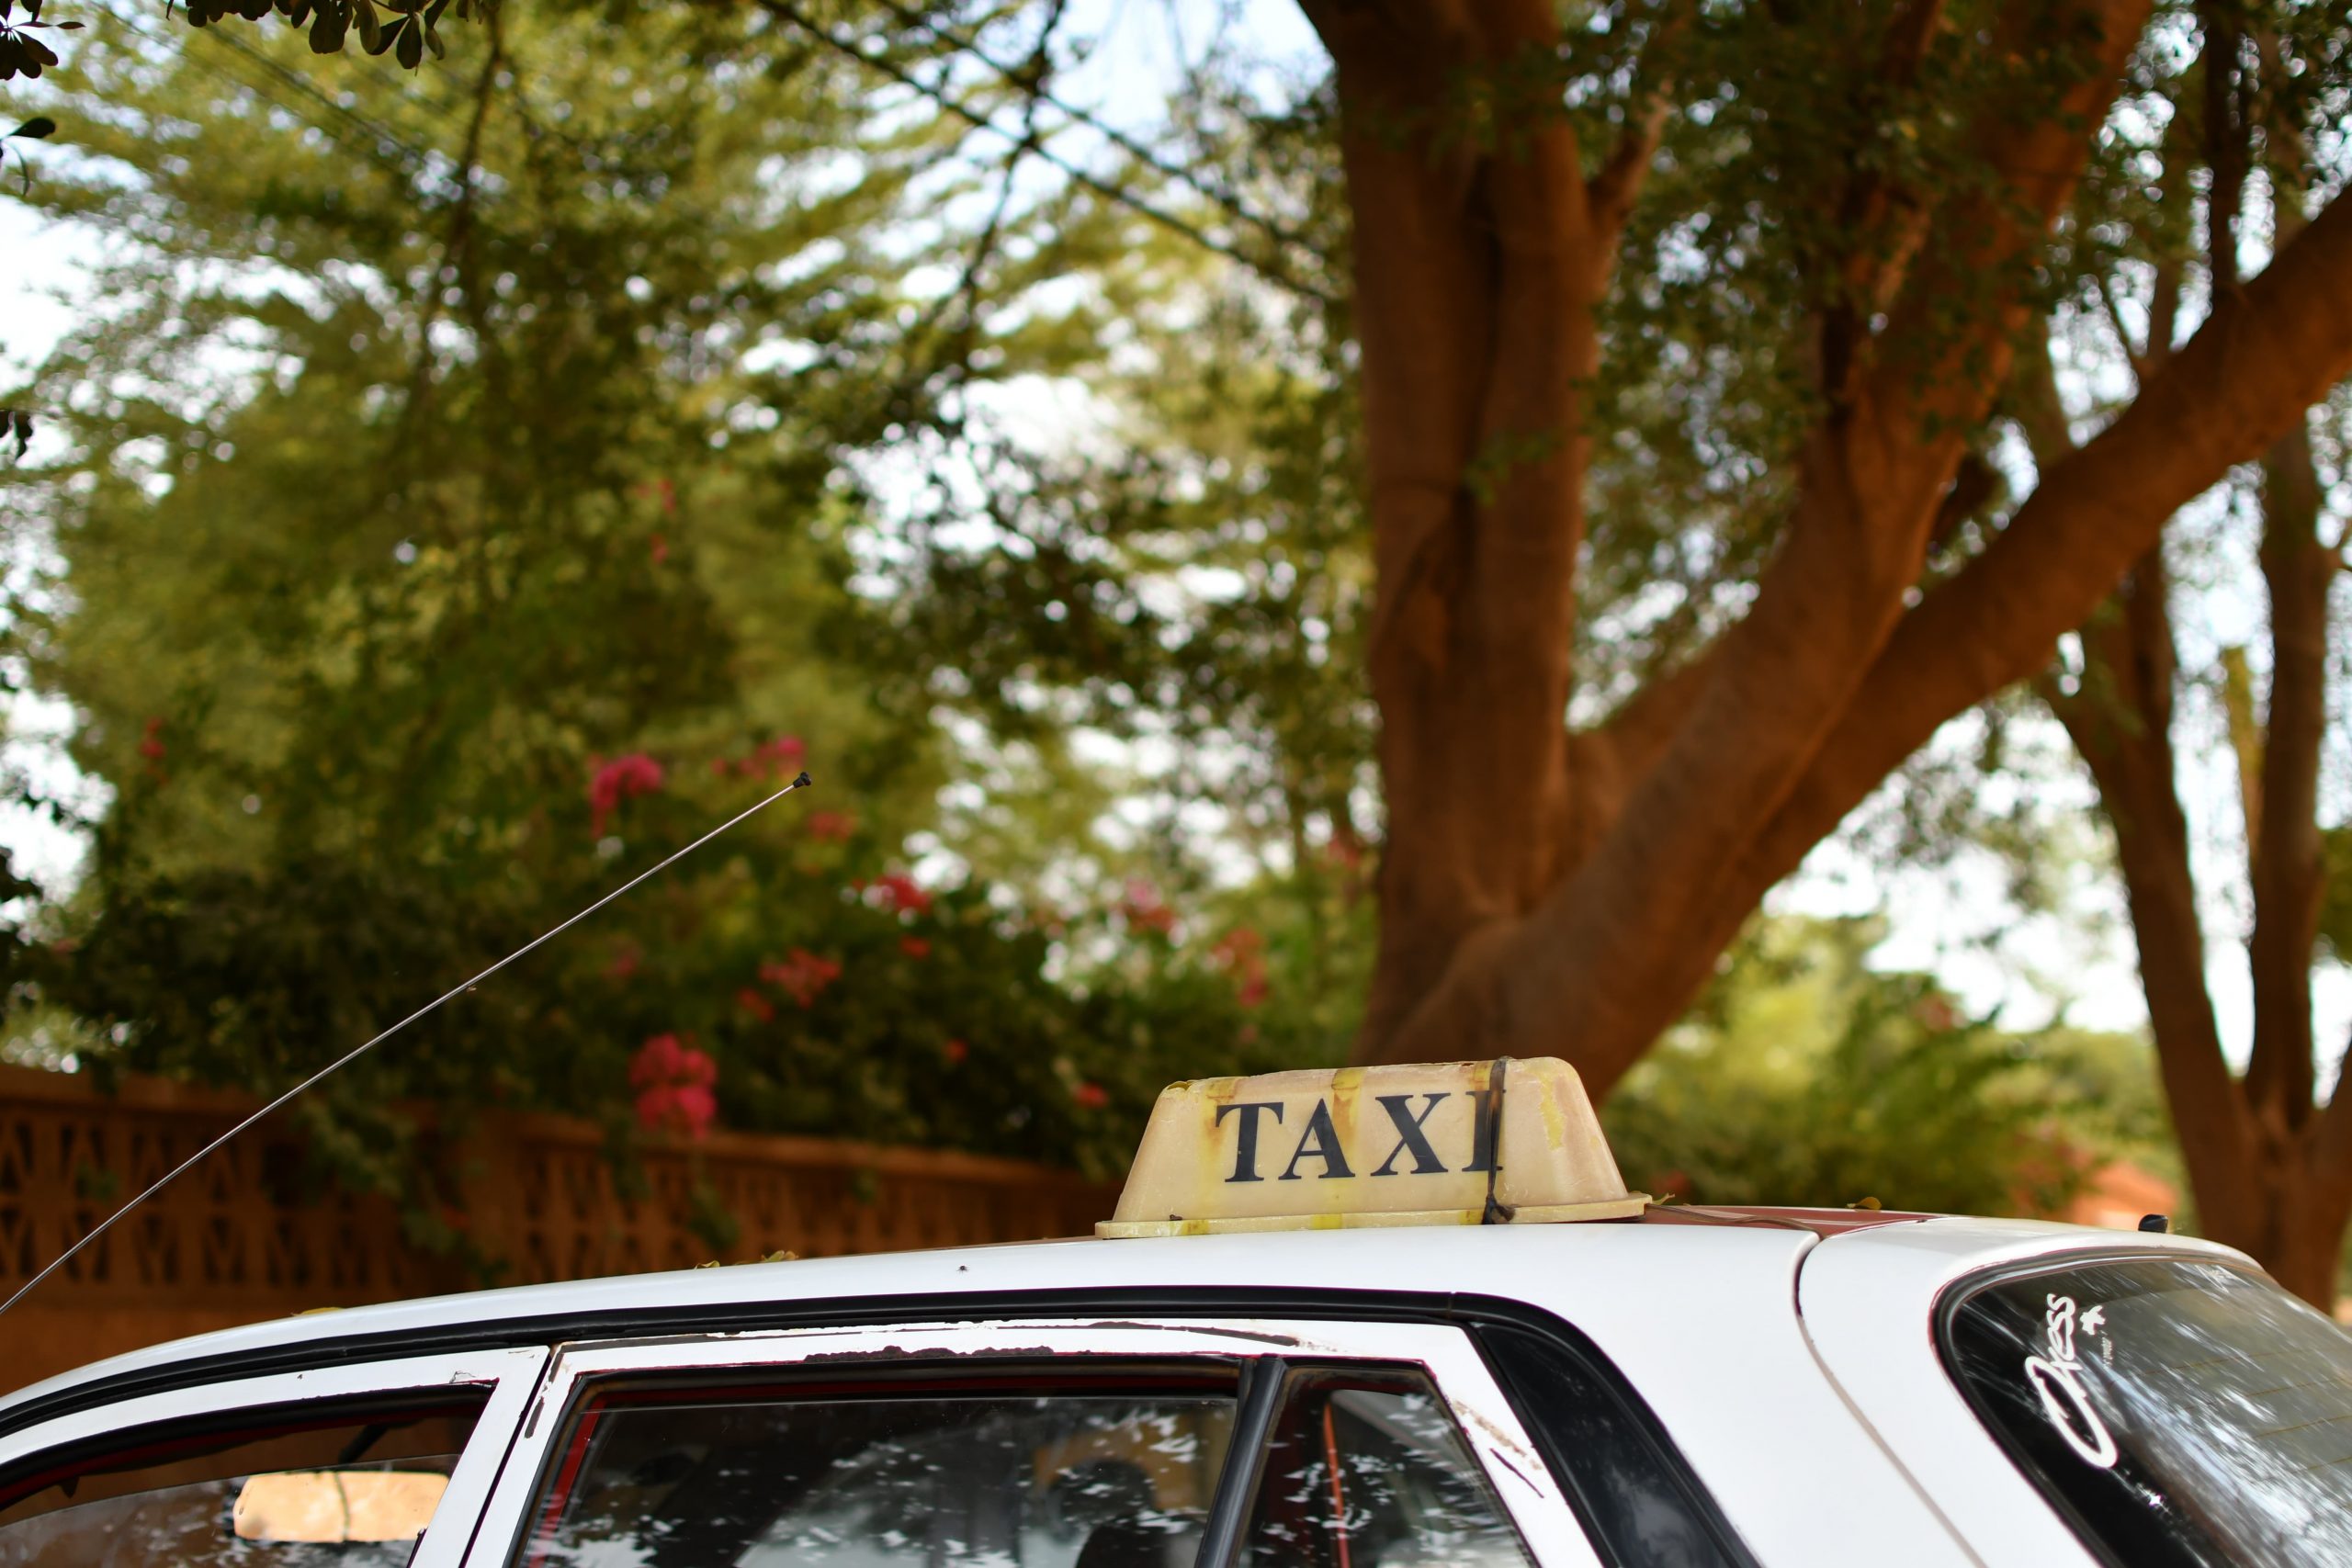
[[415, 585], [1806, 1077]]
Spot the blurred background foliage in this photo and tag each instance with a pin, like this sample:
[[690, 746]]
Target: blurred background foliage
[[465, 489], [1806, 1076]]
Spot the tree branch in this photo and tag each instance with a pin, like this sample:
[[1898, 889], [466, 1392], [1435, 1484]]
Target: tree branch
[[1616, 185], [1943, 378], [2262, 358], [1272, 269], [2287, 869], [2121, 722]]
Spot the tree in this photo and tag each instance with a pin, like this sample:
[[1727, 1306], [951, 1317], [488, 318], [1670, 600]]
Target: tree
[[1877, 213], [2269, 1162], [1762, 269], [1547, 886]]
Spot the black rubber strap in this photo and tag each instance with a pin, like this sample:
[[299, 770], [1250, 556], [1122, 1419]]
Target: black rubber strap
[[1494, 1214]]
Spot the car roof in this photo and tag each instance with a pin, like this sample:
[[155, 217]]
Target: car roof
[[1711, 1266]]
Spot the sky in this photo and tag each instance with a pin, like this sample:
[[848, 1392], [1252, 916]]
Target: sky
[[1958, 923]]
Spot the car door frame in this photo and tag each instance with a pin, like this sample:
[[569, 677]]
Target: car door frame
[[1505, 1453], [512, 1375]]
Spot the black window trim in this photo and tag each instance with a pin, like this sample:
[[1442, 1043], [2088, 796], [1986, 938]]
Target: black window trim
[[1628, 1410], [1956, 1294]]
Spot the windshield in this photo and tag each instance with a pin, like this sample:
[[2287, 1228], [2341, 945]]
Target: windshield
[[2180, 1410]]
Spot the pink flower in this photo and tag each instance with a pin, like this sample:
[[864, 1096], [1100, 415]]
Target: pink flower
[[834, 826], [624, 962], [658, 546], [779, 757], [1090, 1096], [914, 947], [150, 741], [750, 999], [1243, 952], [1143, 912], [673, 1084], [620, 779], [955, 1051], [902, 894], [688, 1108], [803, 975]]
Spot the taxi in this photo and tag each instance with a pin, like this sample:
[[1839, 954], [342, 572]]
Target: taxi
[[1386, 1318]]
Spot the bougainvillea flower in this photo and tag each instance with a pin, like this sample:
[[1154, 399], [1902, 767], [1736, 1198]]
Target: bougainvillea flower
[[1143, 912], [834, 826], [751, 1002], [1243, 952], [674, 1085], [955, 1051], [802, 976], [902, 894], [1090, 1096], [684, 1108], [621, 779], [914, 947]]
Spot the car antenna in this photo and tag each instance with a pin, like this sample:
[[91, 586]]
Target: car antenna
[[350, 1056]]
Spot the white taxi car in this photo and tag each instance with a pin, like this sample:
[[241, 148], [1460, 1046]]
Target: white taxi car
[[1358, 1320]]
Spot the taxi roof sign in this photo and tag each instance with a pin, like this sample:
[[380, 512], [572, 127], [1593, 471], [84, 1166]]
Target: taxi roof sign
[[1510, 1140]]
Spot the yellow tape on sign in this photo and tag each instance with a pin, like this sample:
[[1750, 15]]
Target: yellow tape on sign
[[1446, 1144]]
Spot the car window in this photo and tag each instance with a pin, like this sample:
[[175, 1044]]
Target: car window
[[1370, 1472], [350, 1487], [1038, 1470], [2180, 1412]]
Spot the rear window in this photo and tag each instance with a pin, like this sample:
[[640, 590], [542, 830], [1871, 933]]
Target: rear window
[[2180, 1412]]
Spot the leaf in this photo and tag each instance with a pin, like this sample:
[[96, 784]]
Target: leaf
[[409, 51], [39, 126], [37, 53], [328, 28], [371, 31], [5, 7]]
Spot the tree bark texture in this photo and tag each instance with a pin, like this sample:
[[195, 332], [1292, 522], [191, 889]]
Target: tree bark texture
[[1550, 892]]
